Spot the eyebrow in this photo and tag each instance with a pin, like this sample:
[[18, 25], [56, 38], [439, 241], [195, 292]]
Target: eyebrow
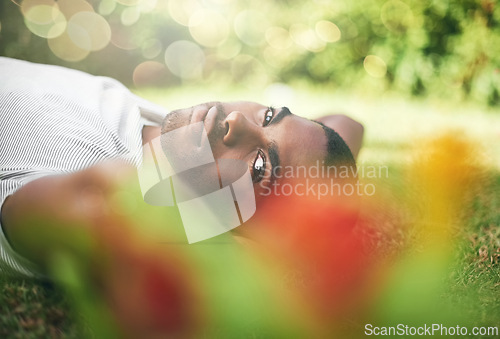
[[274, 157], [272, 147], [284, 112]]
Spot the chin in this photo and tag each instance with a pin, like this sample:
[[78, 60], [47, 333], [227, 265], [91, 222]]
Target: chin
[[175, 119]]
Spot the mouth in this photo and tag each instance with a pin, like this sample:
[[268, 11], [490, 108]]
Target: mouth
[[210, 119], [198, 114], [210, 114], [187, 116]]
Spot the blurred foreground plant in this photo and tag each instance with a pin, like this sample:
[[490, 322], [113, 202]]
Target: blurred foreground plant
[[302, 268]]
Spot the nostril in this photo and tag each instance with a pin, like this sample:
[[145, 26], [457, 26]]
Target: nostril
[[227, 128]]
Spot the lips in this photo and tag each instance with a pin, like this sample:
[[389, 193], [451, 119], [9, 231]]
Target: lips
[[210, 114], [210, 118], [199, 114]]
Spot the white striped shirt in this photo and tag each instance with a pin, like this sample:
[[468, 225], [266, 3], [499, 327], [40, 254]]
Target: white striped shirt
[[56, 120]]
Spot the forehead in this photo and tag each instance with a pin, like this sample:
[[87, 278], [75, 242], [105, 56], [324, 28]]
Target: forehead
[[242, 104], [301, 141]]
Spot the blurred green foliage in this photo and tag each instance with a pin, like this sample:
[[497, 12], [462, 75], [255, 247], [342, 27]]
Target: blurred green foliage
[[444, 48]]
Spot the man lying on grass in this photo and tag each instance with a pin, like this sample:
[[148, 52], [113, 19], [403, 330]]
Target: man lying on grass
[[58, 126]]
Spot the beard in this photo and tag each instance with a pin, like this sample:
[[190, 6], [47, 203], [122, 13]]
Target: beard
[[176, 119], [182, 117]]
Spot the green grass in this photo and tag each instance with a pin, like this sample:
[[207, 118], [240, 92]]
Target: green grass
[[475, 278], [30, 309]]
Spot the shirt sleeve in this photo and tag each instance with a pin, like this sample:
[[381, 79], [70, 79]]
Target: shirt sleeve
[[55, 120], [11, 262]]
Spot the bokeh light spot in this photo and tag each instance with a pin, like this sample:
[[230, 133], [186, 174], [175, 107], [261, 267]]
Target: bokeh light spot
[[229, 49], [147, 6], [130, 16], [125, 37], [26, 5], [45, 21], [221, 2], [250, 26], [150, 73], [95, 27], [306, 38], [328, 31], [79, 36], [64, 48], [71, 7], [278, 37], [151, 48], [181, 11], [375, 66], [396, 15], [185, 59], [208, 28], [129, 2], [106, 7]]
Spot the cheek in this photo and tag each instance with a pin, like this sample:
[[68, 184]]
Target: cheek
[[221, 151]]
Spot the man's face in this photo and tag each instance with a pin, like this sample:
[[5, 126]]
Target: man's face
[[268, 139]]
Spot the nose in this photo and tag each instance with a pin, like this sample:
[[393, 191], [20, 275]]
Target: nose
[[240, 131]]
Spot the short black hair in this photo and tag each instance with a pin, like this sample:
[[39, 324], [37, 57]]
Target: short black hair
[[339, 158], [338, 153]]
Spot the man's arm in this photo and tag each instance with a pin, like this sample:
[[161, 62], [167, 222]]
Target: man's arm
[[57, 205], [350, 130]]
